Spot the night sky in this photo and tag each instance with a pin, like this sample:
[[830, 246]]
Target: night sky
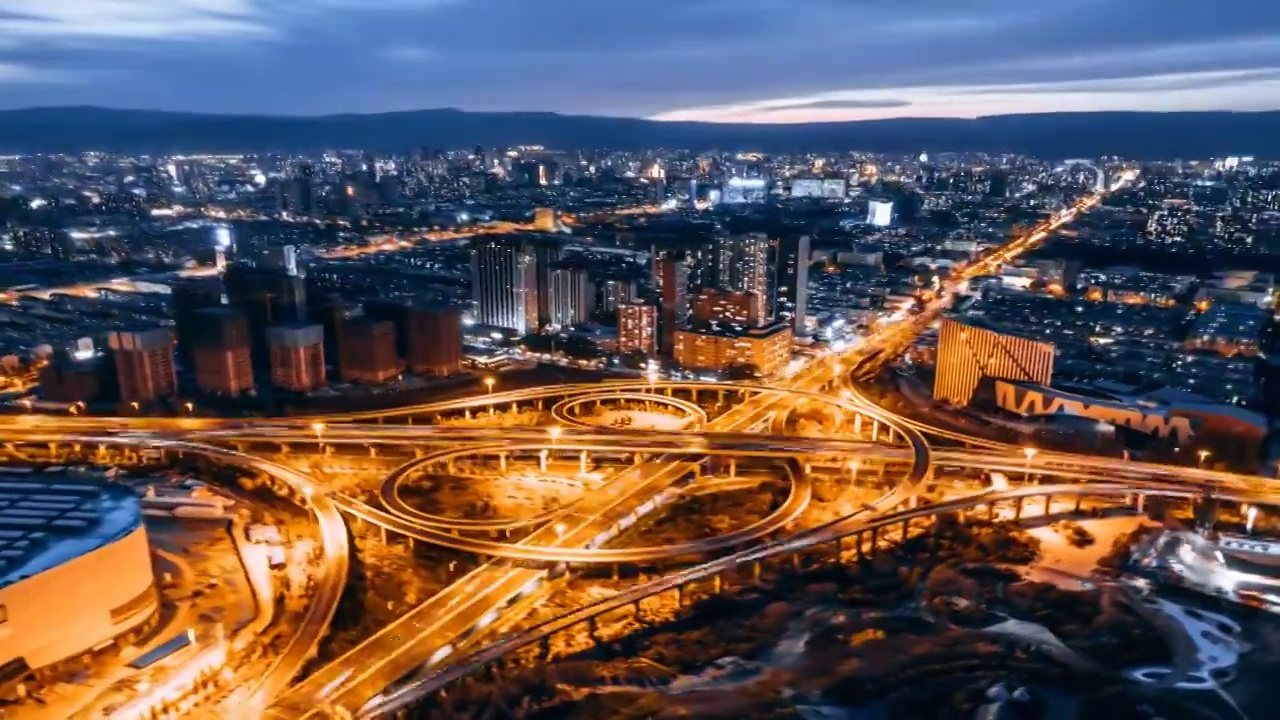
[[740, 60]]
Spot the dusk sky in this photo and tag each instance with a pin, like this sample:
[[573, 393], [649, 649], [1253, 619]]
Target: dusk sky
[[723, 60]]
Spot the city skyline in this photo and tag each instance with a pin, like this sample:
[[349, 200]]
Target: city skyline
[[754, 61]]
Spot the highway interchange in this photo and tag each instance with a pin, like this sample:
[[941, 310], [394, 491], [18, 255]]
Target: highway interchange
[[641, 470]]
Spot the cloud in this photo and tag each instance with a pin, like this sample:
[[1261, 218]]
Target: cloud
[[849, 104], [712, 59], [121, 19], [14, 73]]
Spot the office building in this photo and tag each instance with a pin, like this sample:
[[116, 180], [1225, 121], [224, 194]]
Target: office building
[[766, 350], [743, 263], [967, 354], [637, 328], [548, 255], [569, 296], [727, 307], [671, 276], [222, 352], [880, 213], [144, 365], [504, 284], [368, 353], [790, 286], [434, 339], [297, 356]]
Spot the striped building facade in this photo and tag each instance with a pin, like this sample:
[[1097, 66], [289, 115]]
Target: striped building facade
[[966, 354]]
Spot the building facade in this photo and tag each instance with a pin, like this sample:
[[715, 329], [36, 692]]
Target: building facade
[[967, 354], [504, 284], [297, 357], [766, 349], [144, 364], [637, 328], [222, 352]]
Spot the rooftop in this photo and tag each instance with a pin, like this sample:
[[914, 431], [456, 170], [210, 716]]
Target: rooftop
[[48, 519]]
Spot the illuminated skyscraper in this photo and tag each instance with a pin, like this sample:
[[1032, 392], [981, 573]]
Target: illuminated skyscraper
[[144, 364], [297, 356], [744, 267], [967, 354], [222, 352], [504, 284], [637, 328], [790, 270], [570, 296]]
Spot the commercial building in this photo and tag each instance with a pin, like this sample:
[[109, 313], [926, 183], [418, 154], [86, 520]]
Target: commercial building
[[766, 349], [612, 293], [729, 307], [144, 364], [744, 262], [75, 569], [223, 351], [297, 356], [967, 354], [504, 284], [637, 328], [367, 353]]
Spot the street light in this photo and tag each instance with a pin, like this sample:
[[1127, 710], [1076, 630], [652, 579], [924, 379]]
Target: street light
[[555, 432], [318, 429], [1030, 452], [1203, 455], [1249, 516], [560, 529], [191, 407], [488, 383], [134, 405]]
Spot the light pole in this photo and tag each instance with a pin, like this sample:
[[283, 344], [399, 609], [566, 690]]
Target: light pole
[[1030, 452], [488, 383], [318, 428], [1203, 455], [1249, 516]]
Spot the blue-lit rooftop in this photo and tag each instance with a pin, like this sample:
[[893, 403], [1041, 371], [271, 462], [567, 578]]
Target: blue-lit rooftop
[[49, 519]]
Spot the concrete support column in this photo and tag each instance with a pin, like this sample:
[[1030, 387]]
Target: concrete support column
[[1017, 509], [542, 460], [1048, 504], [502, 461], [875, 430], [1142, 502], [679, 596], [991, 511], [890, 433], [733, 466], [875, 540], [857, 424], [384, 534], [717, 585], [1078, 499], [582, 462], [906, 528], [638, 458], [857, 545], [755, 571], [373, 451]]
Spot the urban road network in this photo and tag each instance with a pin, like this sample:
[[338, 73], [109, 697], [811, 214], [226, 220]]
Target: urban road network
[[638, 471]]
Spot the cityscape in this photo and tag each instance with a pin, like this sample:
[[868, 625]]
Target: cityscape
[[754, 373]]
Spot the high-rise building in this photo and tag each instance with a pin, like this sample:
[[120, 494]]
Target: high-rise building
[[728, 307], [66, 379], [144, 364], [267, 296], [790, 284], [504, 284], [637, 328], [745, 261], [222, 352], [434, 339], [612, 293], [368, 351], [967, 354], [297, 356], [765, 350], [547, 257], [569, 297], [1172, 223], [188, 297], [671, 275]]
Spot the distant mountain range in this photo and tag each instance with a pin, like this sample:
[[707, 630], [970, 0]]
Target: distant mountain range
[[1058, 135]]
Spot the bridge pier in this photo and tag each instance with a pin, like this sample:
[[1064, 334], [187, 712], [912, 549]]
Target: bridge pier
[[733, 466], [1017, 509], [875, 431], [1142, 501], [679, 596], [1079, 498], [638, 458], [755, 572], [542, 460], [890, 435], [857, 424], [582, 462], [857, 546]]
